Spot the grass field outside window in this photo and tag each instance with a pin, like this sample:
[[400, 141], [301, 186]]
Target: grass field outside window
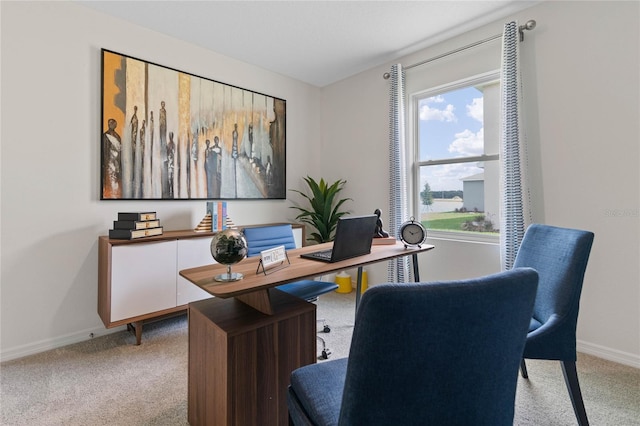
[[455, 221]]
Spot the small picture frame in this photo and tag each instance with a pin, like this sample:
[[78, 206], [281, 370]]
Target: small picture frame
[[272, 260]]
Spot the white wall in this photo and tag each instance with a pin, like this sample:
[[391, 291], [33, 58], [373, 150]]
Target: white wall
[[581, 77], [51, 213]]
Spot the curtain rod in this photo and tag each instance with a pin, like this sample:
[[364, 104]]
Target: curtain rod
[[529, 25]]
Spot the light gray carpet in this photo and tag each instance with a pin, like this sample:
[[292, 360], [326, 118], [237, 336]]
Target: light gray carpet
[[110, 381]]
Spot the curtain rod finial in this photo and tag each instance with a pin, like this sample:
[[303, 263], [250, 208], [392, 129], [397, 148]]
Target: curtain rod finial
[[528, 26], [386, 76]]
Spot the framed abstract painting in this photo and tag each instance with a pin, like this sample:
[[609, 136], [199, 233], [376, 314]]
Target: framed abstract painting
[[170, 135]]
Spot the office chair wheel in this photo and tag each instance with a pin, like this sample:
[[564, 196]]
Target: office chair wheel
[[325, 350], [326, 329]]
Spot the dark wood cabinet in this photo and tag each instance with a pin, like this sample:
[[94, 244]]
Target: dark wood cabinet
[[240, 359]]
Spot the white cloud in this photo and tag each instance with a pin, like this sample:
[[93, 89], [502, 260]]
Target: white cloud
[[476, 109], [447, 114], [468, 143]]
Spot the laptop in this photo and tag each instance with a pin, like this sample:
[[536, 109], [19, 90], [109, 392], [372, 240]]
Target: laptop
[[353, 238]]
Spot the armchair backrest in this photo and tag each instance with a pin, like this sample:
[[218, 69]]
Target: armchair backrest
[[439, 353], [265, 237], [560, 256]]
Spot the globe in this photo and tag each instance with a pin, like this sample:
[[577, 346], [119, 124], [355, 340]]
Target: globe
[[227, 248]]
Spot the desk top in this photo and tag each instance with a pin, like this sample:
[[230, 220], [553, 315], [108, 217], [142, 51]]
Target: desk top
[[203, 276]]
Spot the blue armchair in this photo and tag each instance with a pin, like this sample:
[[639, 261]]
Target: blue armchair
[[444, 353], [560, 256]]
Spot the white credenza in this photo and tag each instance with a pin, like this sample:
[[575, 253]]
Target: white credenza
[[191, 253], [139, 279]]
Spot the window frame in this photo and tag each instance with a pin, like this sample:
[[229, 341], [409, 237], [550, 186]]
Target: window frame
[[414, 158]]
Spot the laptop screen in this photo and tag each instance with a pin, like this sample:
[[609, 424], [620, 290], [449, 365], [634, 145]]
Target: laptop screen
[[354, 235], [353, 238]]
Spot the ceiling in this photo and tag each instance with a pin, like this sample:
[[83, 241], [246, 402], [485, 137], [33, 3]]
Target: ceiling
[[318, 42]]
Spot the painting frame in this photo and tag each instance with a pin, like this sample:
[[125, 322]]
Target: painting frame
[[167, 134]]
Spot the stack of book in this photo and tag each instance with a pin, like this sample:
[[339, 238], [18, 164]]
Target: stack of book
[[218, 212], [135, 225]]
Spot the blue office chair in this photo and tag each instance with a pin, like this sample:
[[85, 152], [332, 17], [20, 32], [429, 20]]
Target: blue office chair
[[444, 353], [265, 237], [560, 256]]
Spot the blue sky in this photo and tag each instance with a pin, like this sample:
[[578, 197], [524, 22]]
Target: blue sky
[[450, 126]]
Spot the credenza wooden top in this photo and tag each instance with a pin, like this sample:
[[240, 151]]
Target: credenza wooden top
[[188, 233], [299, 268]]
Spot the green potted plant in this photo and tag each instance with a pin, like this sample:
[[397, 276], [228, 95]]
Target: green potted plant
[[324, 210]]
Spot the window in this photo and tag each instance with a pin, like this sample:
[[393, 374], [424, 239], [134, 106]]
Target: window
[[455, 165]]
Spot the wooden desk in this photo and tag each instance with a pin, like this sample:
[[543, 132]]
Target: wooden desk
[[252, 289], [240, 358]]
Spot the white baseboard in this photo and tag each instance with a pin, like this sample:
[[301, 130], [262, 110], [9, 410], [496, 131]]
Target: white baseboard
[[609, 354], [603, 352], [48, 344]]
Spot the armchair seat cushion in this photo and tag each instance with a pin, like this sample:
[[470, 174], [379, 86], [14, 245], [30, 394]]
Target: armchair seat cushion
[[308, 289], [316, 390]]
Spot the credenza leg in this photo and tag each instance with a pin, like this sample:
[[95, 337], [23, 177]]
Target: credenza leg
[[136, 328]]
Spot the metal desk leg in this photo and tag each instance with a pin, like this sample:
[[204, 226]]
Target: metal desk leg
[[416, 274], [358, 287]]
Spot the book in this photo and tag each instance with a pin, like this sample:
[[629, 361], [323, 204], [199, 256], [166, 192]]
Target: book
[[130, 234], [135, 224], [383, 241], [139, 216], [224, 215], [212, 210], [219, 217]]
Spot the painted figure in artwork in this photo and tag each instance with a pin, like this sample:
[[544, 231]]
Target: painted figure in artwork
[[213, 166], [218, 151], [151, 136], [194, 147], [111, 149], [234, 147], [269, 171], [140, 162], [171, 154], [251, 153], [134, 129], [164, 174], [133, 178]]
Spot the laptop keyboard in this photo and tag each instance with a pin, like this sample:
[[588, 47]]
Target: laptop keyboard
[[323, 254]]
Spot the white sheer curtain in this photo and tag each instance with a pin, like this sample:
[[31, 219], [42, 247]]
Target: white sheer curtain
[[398, 270], [515, 202]]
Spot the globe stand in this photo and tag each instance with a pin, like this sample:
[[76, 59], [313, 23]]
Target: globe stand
[[229, 276]]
